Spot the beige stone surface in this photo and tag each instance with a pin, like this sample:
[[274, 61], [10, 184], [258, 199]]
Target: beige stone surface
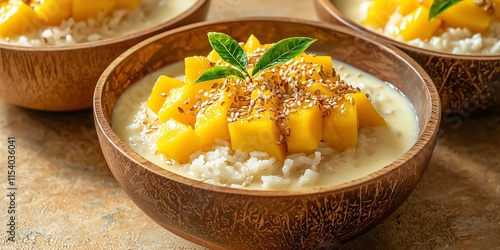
[[66, 197]]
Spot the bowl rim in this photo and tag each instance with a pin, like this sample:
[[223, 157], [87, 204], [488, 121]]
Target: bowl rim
[[430, 129], [330, 8], [198, 4]]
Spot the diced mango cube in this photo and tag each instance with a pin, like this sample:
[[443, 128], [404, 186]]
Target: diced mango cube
[[17, 18], [177, 106], [85, 9], [380, 12], [178, 141], [211, 123], [213, 56], [53, 12], [161, 90], [426, 3], [340, 128], [126, 4], [318, 88], [305, 128], [325, 62], [405, 7], [195, 66], [368, 116], [496, 6], [466, 14], [259, 134], [251, 44], [417, 25]]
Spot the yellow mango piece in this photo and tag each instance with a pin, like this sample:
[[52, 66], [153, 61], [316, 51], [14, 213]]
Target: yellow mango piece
[[380, 12], [84, 9], [178, 141], [161, 90], [195, 66], [17, 18], [466, 14], [53, 12], [340, 128], [496, 6], [427, 3], [211, 123], [325, 62], [126, 4], [175, 106], [180, 101], [368, 116], [305, 130], [213, 56], [319, 88], [417, 25], [251, 44], [258, 134], [405, 7]]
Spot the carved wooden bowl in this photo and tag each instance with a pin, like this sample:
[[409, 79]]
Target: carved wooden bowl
[[63, 78], [466, 83], [228, 218]]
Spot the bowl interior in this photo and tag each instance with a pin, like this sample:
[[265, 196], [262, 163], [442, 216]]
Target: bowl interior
[[388, 64]]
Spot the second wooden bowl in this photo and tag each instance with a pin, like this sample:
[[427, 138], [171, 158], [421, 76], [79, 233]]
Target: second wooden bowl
[[62, 78]]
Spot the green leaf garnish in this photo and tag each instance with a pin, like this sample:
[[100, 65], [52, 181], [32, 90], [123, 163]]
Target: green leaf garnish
[[219, 72], [438, 6], [229, 50], [281, 52]]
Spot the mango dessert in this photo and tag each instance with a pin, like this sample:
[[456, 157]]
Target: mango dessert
[[459, 27], [61, 22], [267, 116]]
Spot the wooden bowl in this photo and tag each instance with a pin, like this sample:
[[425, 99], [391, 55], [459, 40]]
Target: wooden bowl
[[63, 78], [466, 83], [227, 218]]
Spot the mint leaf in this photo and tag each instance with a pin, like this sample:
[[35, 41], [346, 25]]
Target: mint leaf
[[281, 52], [229, 50], [438, 6], [219, 72]]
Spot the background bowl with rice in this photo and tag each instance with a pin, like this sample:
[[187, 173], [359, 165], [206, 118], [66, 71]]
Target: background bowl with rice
[[467, 84], [42, 74], [229, 218]]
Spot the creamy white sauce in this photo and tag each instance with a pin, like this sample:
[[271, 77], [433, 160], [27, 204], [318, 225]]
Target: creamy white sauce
[[380, 146]]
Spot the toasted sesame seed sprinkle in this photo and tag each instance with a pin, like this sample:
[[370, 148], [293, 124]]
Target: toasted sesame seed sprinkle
[[283, 90]]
